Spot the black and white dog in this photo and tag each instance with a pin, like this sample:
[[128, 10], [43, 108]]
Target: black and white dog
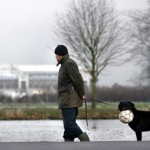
[[141, 121]]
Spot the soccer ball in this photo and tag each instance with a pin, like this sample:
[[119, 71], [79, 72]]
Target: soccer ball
[[126, 116]]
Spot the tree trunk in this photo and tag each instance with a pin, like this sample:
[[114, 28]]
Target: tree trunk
[[93, 93]]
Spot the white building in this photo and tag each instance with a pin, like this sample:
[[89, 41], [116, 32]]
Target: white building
[[28, 79], [17, 80]]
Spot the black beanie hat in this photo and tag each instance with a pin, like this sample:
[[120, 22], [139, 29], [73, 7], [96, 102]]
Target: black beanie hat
[[61, 50]]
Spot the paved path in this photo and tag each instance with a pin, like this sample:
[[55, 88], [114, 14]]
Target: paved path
[[76, 146]]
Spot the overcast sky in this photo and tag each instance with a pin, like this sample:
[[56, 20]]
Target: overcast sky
[[26, 32]]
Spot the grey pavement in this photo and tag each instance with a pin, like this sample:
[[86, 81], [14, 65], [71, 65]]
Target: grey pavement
[[119, 145]]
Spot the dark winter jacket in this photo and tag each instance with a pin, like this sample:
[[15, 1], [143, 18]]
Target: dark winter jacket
[[70, 84]]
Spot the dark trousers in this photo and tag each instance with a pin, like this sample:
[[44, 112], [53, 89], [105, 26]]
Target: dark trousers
[[72, 130]]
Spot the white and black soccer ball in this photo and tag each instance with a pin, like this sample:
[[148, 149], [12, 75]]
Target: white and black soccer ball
[[126, 116]]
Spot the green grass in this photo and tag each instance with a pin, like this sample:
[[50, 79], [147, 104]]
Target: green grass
[[19, 111]]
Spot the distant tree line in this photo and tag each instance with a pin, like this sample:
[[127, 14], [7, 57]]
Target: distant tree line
[[123, 93], [114, 94]]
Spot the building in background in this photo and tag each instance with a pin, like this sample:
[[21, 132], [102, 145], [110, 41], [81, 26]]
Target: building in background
[[28, 79], [20, 80]]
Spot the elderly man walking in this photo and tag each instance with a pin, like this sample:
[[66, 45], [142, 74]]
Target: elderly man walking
[[71, 94]]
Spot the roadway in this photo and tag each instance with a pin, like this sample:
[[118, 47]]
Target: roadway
[[119, 145]]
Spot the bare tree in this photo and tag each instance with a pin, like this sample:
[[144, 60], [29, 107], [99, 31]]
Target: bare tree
[[139, 37], [91, 28]]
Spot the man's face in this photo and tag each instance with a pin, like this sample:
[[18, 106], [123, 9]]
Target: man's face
[[58, 58]]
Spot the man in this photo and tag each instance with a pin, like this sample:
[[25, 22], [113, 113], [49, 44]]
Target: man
[[71, 94]]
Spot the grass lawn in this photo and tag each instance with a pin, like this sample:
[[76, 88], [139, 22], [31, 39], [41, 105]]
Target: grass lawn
[[19, 111]]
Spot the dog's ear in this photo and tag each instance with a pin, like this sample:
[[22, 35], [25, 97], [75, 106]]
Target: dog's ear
[[132, 105], [119, 106]]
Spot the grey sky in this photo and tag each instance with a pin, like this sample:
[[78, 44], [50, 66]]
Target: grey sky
[[26, 29]]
